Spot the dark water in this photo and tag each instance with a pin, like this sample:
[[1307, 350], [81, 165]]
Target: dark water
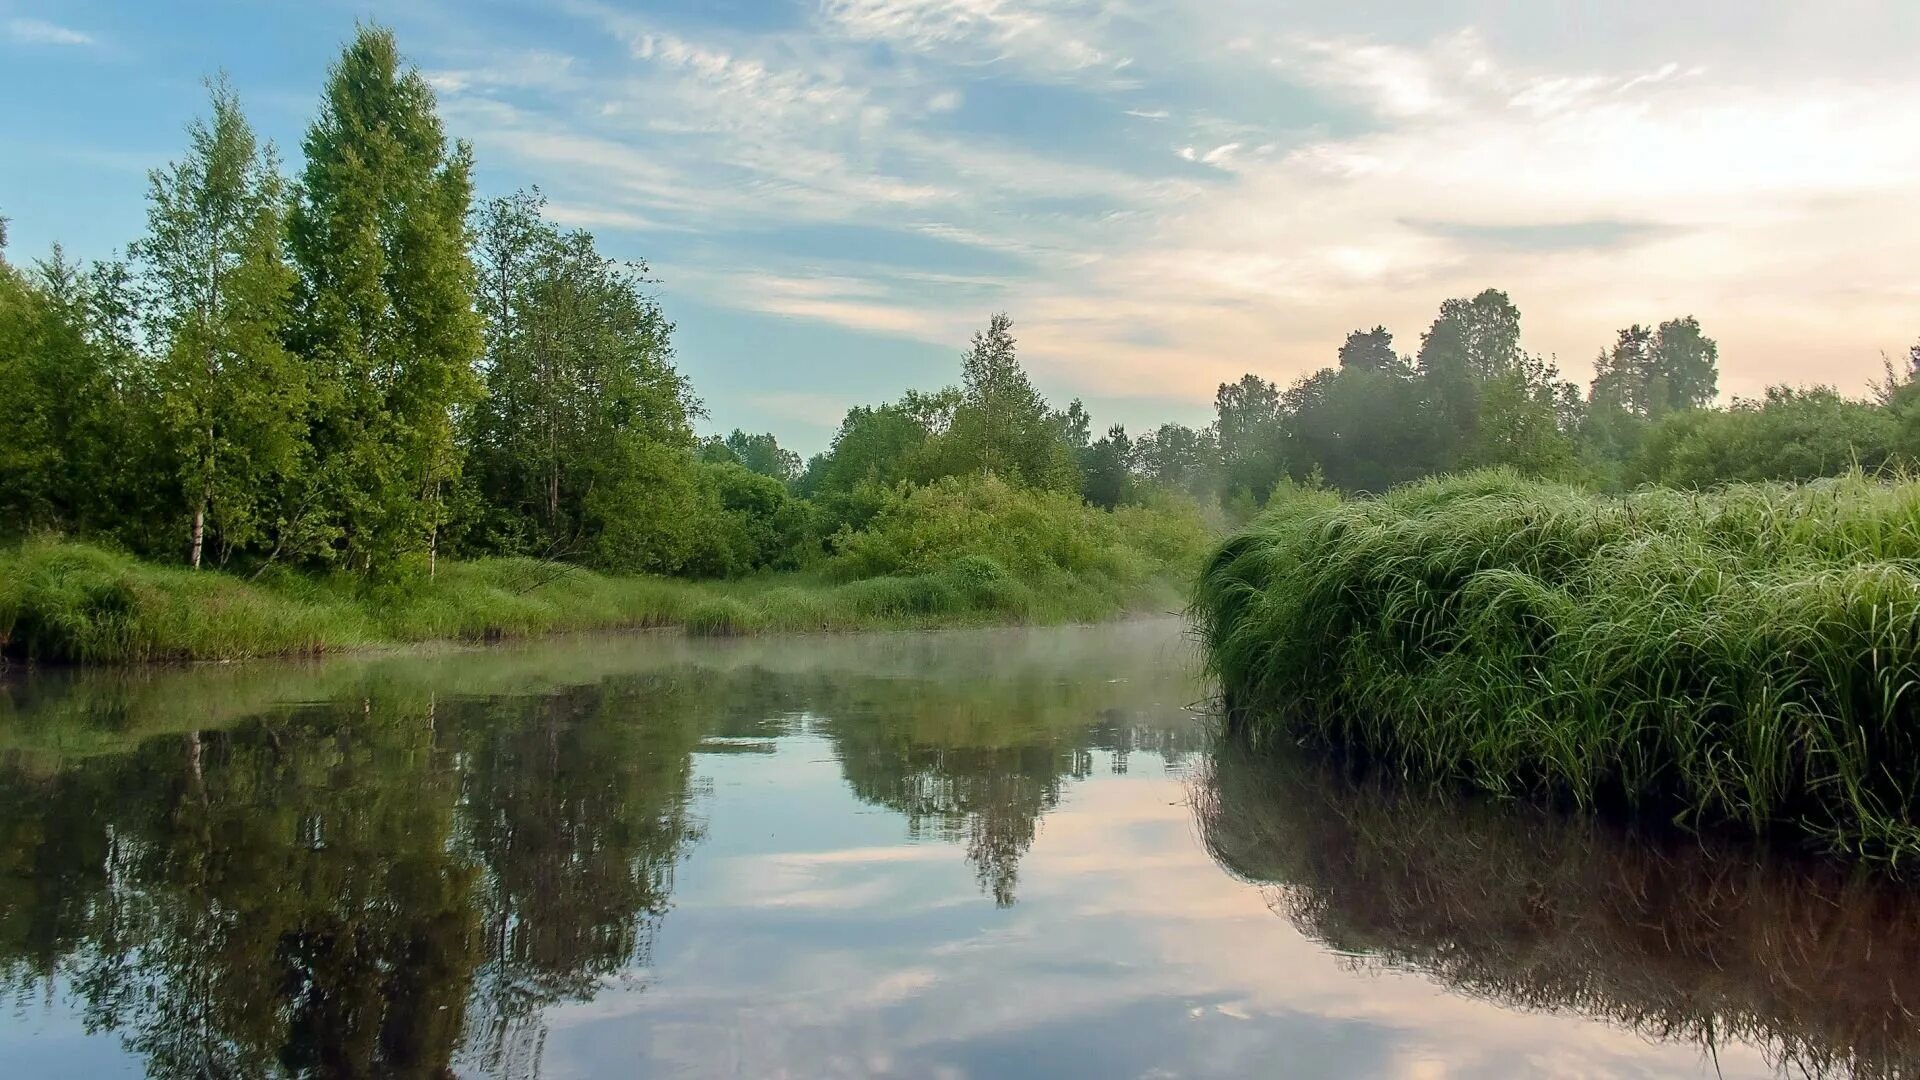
[[975, 854]]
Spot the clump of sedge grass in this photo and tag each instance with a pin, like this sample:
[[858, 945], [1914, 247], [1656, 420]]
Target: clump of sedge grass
[[1747, 658]]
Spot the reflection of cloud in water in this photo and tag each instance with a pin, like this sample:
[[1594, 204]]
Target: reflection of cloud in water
[[843, 855], [1128, 952]]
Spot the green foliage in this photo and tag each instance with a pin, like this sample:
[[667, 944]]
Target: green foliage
[[1744, 659], [580, 386], [748, 522], [1002, 425], [1044, 538], [1650, 373], [881, 444], [1788, 435], [1520, 421], [232, 400], [759, 453], [1107, 478], [1178, 458], [74, 401], [386, 315], [1372, 350]]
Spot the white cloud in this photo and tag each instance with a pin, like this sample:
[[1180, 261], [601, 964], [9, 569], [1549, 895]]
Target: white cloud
[[1775, 212], [26, 31], [1055, 37], [1772, 205]]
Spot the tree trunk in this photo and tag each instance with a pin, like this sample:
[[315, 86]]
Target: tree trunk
[[198, 534]]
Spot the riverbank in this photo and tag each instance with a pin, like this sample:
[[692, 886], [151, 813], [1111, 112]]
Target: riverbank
[[66, 602], [1742, 660]]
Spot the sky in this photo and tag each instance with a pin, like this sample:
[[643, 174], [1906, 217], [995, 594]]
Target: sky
[[834, 194]]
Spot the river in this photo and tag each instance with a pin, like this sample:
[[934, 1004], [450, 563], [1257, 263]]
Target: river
[[979, 853]]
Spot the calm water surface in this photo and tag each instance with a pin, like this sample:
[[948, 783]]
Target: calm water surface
[[1006, 853]]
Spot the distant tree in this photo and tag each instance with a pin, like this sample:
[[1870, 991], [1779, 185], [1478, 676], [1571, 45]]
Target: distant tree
[[1687, 363], [1179, 458], [757, 453], [1525, 420], [1248, 431], [1371, 350], [1077, 428], [1473, 339], [1002, 424], [1787, 435], [386, 303], [879, 444], [1470, 342], [1651, 372], [75, 401], [1108, 480], [233, 400], [1360, 428]]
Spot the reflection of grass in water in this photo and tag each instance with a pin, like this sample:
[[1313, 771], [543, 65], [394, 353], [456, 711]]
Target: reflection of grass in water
[[1675, 940], [48, 714]]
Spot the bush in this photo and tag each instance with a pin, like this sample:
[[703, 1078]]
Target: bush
[[1038, 537], [1788, 435]]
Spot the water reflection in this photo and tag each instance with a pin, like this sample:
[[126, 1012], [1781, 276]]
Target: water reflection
[[399, 867], [965, 854], [327, 891], [1676, 941]]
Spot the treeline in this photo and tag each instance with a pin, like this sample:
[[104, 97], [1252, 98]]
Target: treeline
[[1472, 397], [357, 368]]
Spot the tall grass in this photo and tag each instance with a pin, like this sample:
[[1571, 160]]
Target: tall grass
[[1747, 658], [974, 551]]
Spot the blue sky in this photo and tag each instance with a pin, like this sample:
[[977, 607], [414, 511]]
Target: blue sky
[[834, 193]]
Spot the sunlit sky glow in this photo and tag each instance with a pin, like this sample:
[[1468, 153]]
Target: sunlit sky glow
[[834, 193]]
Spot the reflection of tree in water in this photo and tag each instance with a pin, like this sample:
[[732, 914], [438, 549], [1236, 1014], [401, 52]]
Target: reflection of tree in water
[[575, 808], [989, 798], [401, 881], [327, 891], [1673, 939], [980, 765]]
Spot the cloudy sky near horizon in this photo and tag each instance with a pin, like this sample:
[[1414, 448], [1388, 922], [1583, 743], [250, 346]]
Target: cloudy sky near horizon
[[834, 193]]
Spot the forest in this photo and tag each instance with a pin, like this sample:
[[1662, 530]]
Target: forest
[[351, 402]]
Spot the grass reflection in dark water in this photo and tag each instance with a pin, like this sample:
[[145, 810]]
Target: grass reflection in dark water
[[1675, 938]]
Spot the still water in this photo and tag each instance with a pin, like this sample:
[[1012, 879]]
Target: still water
[[1008, 853]]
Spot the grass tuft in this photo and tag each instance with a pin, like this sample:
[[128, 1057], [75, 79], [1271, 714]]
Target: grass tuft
[[1745, 659]]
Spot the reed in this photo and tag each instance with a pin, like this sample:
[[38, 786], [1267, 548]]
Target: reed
[[1746, 658]]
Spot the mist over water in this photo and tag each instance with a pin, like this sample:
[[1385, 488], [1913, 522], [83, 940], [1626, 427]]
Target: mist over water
[[968, 853]]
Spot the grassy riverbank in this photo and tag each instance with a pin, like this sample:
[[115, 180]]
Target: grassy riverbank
[[1747, 658], [986, 558]]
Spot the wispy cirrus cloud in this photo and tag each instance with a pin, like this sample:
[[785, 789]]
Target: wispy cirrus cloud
[[1061, 38], [29, 31], [1340, 177]]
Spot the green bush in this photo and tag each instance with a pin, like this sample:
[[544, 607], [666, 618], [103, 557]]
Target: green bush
[[1036, 536], [1788, 435]]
